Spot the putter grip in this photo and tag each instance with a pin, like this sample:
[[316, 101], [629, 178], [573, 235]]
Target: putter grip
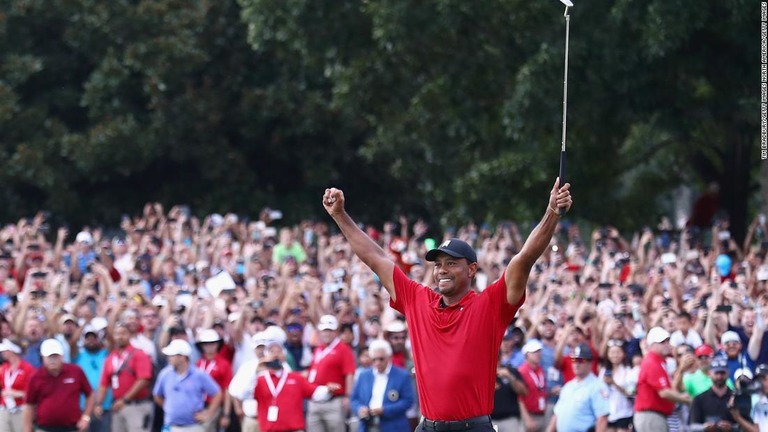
[[562, 176]]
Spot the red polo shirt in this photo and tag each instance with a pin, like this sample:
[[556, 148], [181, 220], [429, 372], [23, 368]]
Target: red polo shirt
[[455, 349], [536, 382], [653, 377], [15, 379], [219, 369], [289, 401], [132, 364], [58, 397], [332, 364]]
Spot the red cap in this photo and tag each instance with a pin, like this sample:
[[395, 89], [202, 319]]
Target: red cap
[[704, 350]]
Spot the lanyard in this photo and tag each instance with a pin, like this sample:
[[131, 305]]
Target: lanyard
[[10, 378], [320, 355], [209, 367], [117, 364], [271, 385], [535, 377]]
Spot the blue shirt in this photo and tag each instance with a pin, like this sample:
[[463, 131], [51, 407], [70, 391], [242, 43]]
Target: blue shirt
[[32, 355], [183, 396], [554, 377], [581, 403], [92, 364]]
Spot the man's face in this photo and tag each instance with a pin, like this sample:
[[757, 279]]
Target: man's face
[[397, 340], [150, 319], [547, 330], [534, 358], [53, 363], [327, 336], [732, 349], [682, 324], [91, 342], [380, 360], [453, 275], [33, 330], [718, 378], [122, 336], [69, 328], [295, 333], [581, 367], [748, 319], [705, 362], [210, 348]]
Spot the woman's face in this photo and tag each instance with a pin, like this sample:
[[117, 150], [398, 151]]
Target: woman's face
[[616, 355]]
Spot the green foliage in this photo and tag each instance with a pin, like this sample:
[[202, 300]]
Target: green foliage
[[445, 109]]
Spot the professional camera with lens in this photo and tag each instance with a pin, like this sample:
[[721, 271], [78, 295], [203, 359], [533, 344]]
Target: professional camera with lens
[[743, 389]]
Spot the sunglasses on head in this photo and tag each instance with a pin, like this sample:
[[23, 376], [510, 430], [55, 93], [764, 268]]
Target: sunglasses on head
[[579, 360], [615, 343]]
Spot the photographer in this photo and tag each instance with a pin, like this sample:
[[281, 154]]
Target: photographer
[[710, 410], [759, 401]]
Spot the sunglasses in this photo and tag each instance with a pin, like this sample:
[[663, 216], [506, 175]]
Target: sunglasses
[[579, 360], [705, 357], [615, 343]]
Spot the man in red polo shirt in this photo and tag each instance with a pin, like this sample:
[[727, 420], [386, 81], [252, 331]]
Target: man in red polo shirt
[[280, 393], [655, 397], [128, 371], [333, 362], [53, 395], [209, 343], [535, 401], [15, 374], [455, 332]]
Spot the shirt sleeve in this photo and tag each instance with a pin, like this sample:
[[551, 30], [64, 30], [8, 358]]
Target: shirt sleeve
[[32, 395], [657, 378], [142, 365], [106, 372], [85, 386], [209, 385], [498, 295], [405, 290], [599, 401], [158, 389]]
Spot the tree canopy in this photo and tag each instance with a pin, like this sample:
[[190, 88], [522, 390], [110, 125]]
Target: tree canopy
[[444, 109]]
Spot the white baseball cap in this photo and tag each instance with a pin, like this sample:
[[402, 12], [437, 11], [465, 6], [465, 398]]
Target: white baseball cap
[[742, 372], [532, 346], [178, 347], [657, 335], [51, 347], [208, 336], [395, 326], [328, 322], [84, 237], [7, 345], [729, 336]]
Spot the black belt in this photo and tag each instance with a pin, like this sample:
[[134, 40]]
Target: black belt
[[457, 425], [72, 428], [135, 401]]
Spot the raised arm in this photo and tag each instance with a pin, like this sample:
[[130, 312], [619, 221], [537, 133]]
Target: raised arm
[[519, 267], [363, 246]]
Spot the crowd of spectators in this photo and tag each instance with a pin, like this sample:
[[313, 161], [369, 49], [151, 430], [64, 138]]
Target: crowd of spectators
[[223, 292]]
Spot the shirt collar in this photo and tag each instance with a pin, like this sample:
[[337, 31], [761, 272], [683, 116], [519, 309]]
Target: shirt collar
[[386, 371], [468, 297]]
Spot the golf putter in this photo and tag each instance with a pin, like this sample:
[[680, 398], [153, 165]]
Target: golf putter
[[568, 4]]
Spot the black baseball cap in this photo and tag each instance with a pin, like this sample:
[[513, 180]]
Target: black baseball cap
[[582, 351], [455, 248]]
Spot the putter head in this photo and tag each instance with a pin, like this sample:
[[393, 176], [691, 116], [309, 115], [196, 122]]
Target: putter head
[[568, 3]]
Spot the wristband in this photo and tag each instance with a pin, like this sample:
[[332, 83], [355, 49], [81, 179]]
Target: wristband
[[549, 208], [86, 417]]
